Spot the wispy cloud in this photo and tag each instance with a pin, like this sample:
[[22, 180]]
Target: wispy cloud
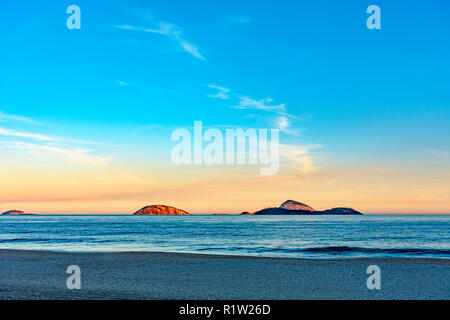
[[299, 157], [122, 83], [221, 92], [282, 120], [134, 28], [263, 104], [44, 151], [35, 136], [44, 147], [246, 102], [170, 30], [284, 125], [12, 117]]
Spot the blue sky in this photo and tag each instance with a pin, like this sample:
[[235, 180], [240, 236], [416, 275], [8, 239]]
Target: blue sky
[[138, 69]]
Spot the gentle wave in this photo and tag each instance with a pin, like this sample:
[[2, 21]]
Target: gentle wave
[[377, 250], [337, 250], [53, 240], [26, 240]]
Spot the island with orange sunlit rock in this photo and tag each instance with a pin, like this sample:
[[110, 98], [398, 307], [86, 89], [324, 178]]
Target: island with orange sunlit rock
[[160, 210], [291, 207]]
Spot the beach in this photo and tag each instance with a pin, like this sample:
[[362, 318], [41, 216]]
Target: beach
[[31, 274]]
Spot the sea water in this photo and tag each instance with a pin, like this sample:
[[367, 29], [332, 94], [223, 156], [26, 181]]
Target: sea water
[[276, 236]]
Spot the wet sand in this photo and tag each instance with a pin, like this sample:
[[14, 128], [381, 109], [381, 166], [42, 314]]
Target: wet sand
[[155, 275]]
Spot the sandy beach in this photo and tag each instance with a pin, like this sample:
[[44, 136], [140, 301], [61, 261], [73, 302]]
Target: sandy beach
[[152, 275]]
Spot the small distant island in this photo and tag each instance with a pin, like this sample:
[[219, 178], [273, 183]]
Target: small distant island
[[160, 210], [291, 207], [16, 213]]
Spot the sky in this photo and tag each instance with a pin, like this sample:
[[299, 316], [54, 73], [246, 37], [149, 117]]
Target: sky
[[86, 115]]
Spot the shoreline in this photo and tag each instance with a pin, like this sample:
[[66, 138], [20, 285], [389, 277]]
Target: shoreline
[[218, 255], [35, 274]]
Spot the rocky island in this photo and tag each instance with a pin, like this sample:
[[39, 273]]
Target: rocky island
[[291, 207], [160, 210], [16, 213]]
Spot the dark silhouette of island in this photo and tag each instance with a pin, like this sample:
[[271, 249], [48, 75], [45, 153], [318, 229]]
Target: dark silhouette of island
[[16, 213], [291, 207], [160, 210]]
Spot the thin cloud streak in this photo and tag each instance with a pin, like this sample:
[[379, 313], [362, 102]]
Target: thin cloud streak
[[71, 155], [170, 30], [263, 104], [221, 92], [12, 117], [35, 136], [282, 121]]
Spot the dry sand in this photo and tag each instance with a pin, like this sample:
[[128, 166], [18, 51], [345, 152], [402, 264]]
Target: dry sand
[[153, 275]]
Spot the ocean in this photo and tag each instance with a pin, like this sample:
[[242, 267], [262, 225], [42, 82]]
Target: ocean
[[276, 236]]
